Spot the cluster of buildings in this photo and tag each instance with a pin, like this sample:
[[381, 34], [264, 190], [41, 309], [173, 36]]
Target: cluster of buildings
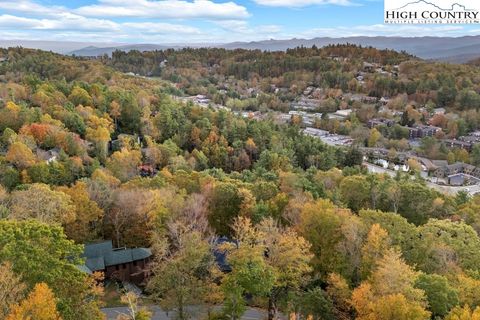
[[308, 119], [358, 97], [414, 132], [377, 122], [201, 100], [377, 68], [422, 131], [328, 138], [465, 142], [437, 171], [456, 174], [340, 114], [307, 104]]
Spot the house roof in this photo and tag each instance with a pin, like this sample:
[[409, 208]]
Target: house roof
[[141, 253], [457, 166], [440, 163], [95, 264], [85, 269], [98, 249], [101, 255]]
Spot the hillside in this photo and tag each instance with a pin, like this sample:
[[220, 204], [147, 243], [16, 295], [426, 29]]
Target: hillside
[[458, 50], [208, 202]]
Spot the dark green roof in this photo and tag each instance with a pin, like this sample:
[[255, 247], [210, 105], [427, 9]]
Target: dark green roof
[[101, 255], [118, 257], [85, 269], [98, 249], [141, 253], [95, 264]]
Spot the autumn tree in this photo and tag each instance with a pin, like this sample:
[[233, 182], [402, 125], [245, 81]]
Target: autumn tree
[[124, 164], [40, 202], [391, 307], [355, 192], [99, 137], [115, 112], [20, 155], [80, 96], [376, 245], [374, 137], [464, 313], [335, 242], [250, 275], [133, 216], [183, 273], [339, 292], [390, 293], [88, 216], [100, 187], [40, 305], [454, 237], [12, 289], [468, 290], [468, 210], [227, 202], [288, 256]]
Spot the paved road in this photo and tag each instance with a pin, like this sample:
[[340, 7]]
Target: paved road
[[444, 189], [159, 314]]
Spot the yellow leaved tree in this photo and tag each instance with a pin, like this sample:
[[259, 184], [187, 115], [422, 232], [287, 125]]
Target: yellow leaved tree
[[39, 305]]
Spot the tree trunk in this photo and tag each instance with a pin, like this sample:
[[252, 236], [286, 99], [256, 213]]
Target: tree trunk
[[272, 308], [181, 312], [117, 237]]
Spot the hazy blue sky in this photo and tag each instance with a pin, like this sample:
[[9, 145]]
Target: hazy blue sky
[[187, 21]]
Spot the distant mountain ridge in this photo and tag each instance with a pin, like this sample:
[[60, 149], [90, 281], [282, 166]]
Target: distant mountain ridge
[[450, 49], [63, 47], [100, 51]]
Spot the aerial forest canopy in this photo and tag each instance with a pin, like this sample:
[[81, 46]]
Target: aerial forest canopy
[[90, 153]]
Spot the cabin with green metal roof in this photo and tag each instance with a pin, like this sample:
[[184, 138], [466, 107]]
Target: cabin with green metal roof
[[121, 264]]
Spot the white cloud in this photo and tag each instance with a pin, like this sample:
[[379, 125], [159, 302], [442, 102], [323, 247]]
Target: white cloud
[[302, 3], [13, 22], [160, 28], [172, 9], [64, 21], [29, 7]]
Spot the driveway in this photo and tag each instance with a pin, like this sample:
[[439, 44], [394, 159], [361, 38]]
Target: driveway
[[159, 314]]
